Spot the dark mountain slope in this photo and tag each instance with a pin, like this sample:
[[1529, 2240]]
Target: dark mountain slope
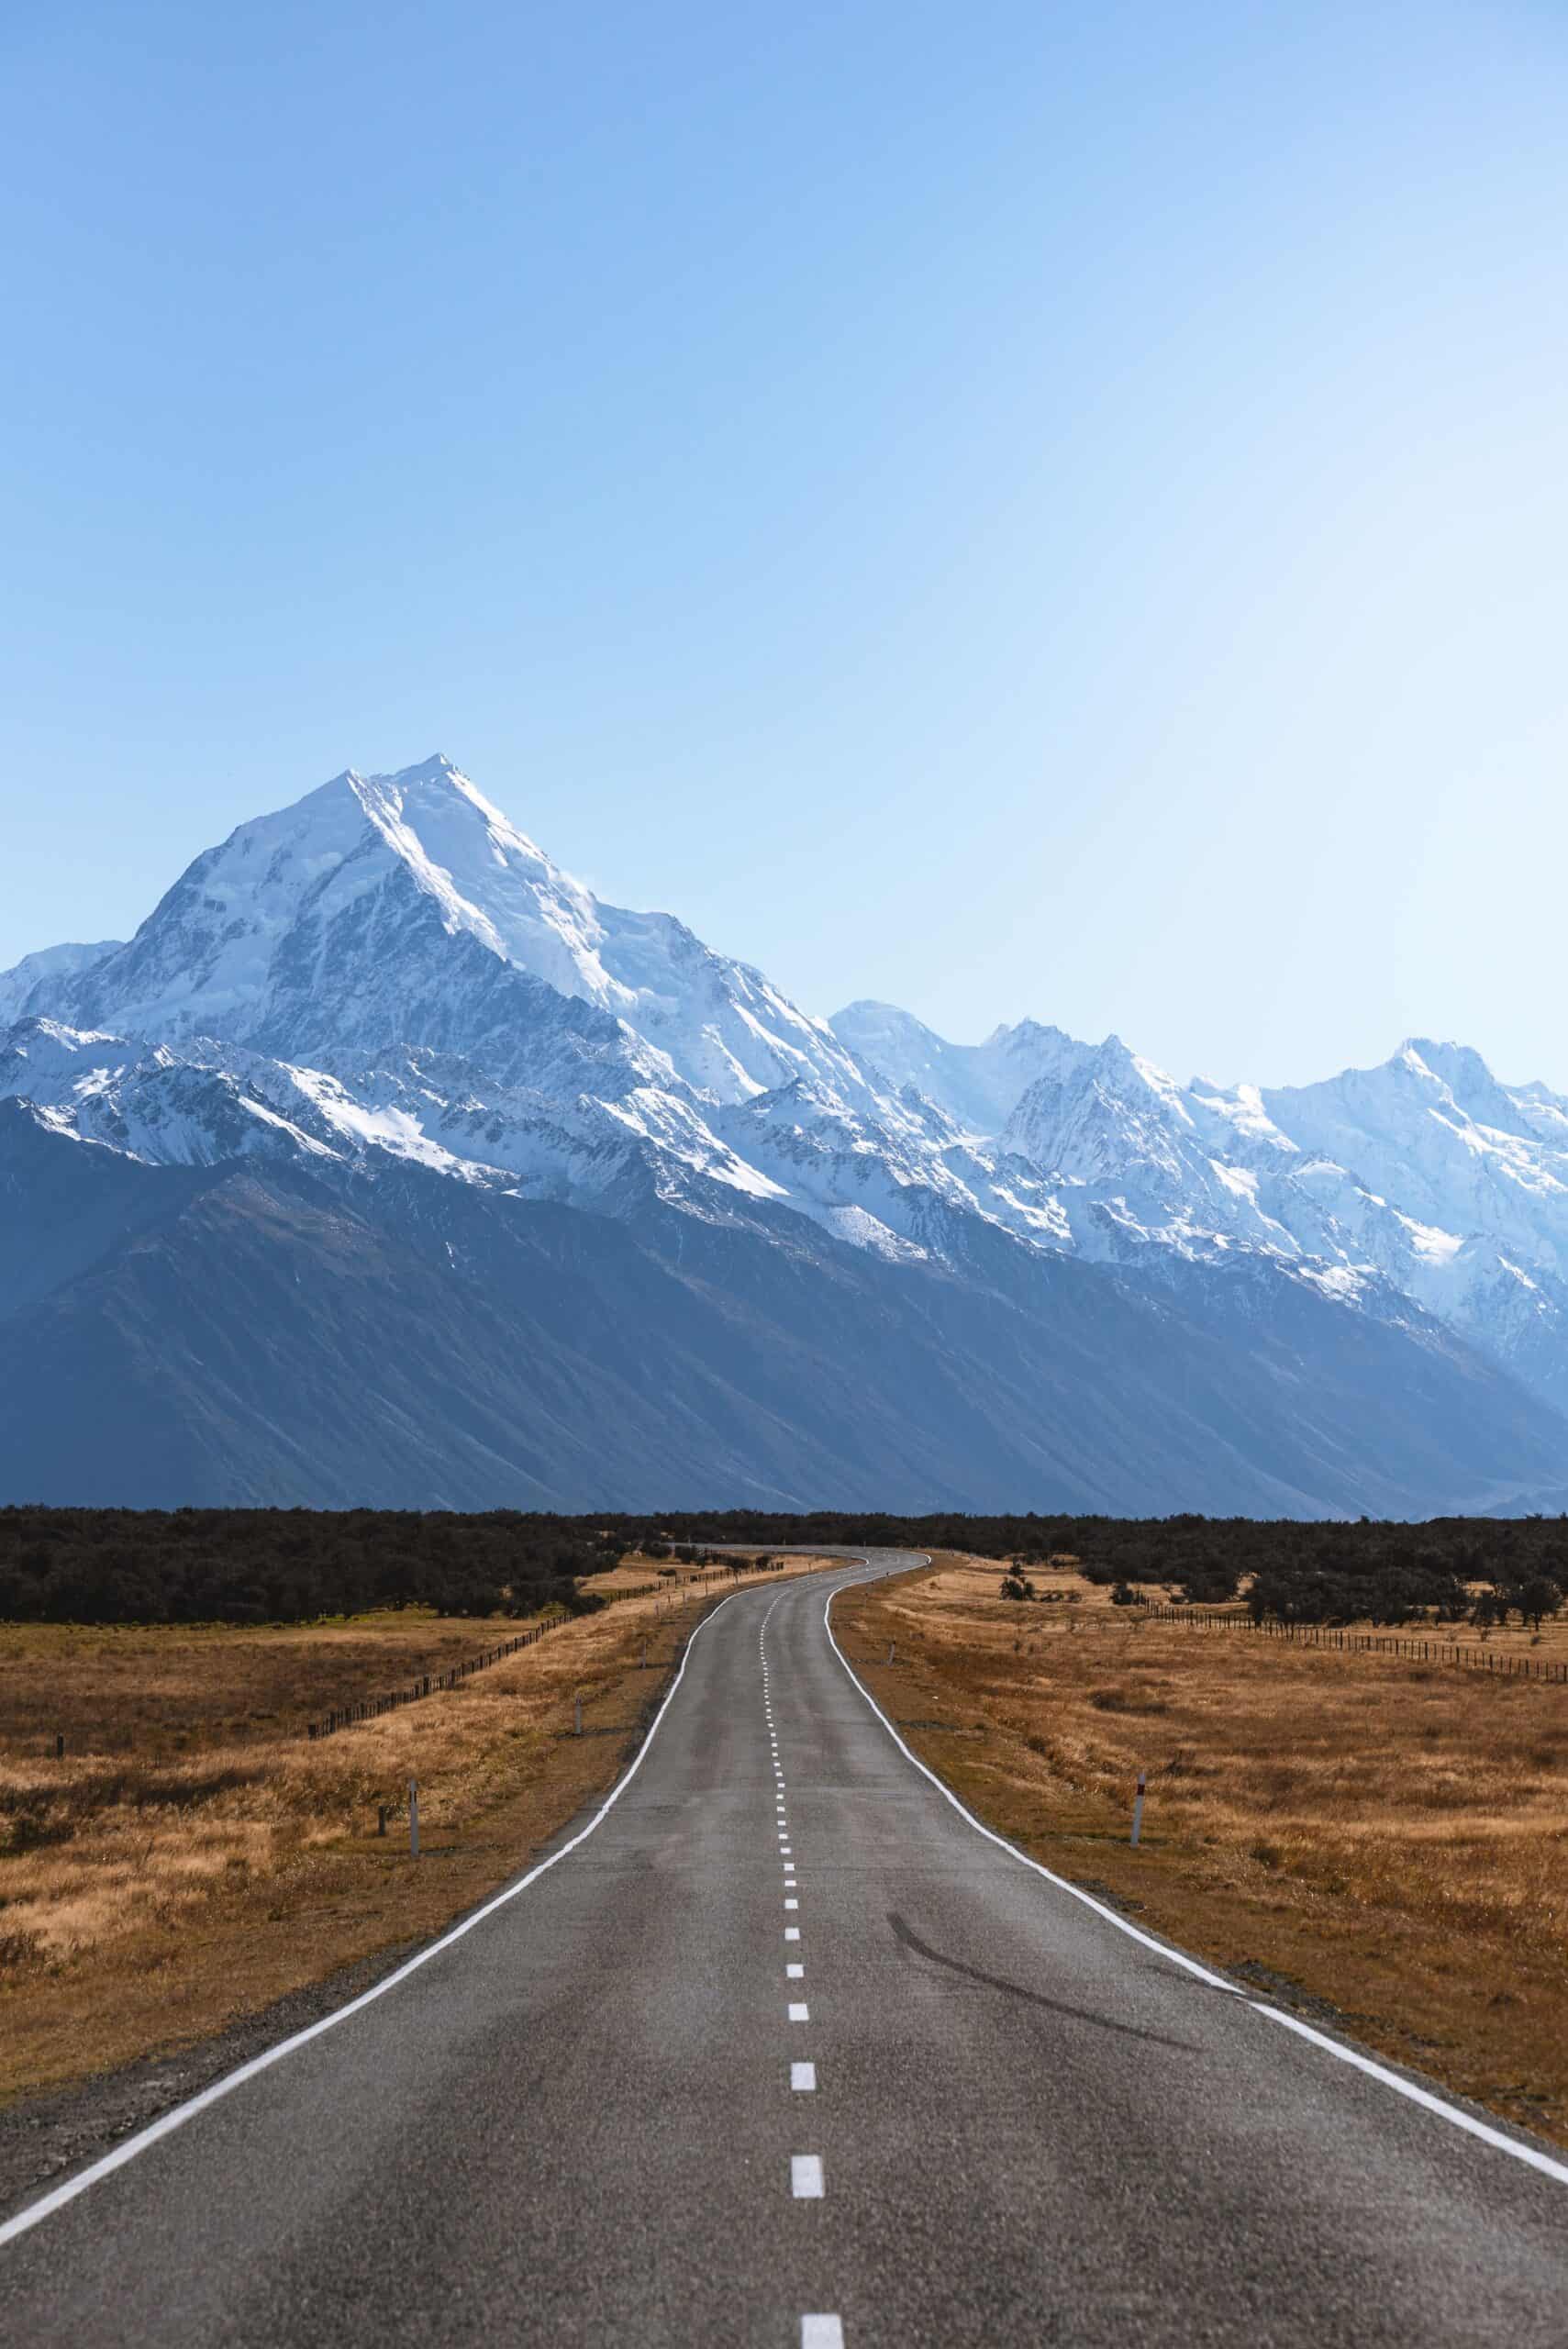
[[64, 1206], [410, 1340]]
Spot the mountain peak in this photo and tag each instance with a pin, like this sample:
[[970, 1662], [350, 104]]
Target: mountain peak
[[50, 967], [1442, 1059], [1015, 1033], [387, 980], [365, 911]]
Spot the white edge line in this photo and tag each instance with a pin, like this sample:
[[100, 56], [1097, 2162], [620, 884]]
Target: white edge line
[[1544, 2162], [168, 2122]]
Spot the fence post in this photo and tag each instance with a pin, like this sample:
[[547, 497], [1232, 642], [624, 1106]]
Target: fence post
[[381, 1818], [1137, 1808], [59, 1745], [577, 1717], [414, 1818]]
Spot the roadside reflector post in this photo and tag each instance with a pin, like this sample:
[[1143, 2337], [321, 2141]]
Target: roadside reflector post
[[577, 1717], [414, 1819], [890, 1650], [644, 1666], [1138, 1809]]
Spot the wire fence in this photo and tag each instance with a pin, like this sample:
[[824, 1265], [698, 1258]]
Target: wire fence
[[369, 1709], [428, 1684], [1322, 1635]]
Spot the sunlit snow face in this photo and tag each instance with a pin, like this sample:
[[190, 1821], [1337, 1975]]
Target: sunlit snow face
[[391, 969]]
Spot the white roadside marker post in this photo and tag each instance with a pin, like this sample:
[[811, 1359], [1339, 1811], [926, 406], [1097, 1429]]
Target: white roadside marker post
[[1138, 1809], [577, 1717], [414, 1819]]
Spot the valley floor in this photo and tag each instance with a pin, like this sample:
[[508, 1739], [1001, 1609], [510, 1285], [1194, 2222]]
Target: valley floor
[[1378, 1843]]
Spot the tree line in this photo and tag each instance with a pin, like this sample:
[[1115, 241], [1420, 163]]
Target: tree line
[[262, 1566], [1454, 1569], [292, 1565]]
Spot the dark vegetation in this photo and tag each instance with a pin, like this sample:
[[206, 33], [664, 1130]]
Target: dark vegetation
[[1303, 1573], [292, 1565], [244, 1565]]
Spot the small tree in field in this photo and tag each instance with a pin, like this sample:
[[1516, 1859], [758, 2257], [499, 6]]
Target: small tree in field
[[1537, 1598]]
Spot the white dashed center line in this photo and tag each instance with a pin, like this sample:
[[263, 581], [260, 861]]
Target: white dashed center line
[[821, 2333], [824, 2330]]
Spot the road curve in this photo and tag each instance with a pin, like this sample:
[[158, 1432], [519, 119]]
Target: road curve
[[978, 2114]]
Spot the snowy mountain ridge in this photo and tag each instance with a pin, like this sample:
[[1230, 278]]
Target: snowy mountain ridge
[[47, 968], [1424, 1175], [390, 972], [263, 938]]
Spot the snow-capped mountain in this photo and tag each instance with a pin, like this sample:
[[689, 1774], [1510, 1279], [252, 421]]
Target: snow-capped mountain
[[386, 1001], [46, 970], [1424, 1178], [336, 920], [979, 1086]]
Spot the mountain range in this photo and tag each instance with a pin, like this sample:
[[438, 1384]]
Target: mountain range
[[387, 1163]]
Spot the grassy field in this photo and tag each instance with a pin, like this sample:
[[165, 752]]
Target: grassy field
[[1387, 1837], [194, 1857]]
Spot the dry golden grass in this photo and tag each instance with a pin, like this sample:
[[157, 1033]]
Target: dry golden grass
[[632, 1574], [635, 1573], [1389, 1836], [194, 1856], [160, 1691]]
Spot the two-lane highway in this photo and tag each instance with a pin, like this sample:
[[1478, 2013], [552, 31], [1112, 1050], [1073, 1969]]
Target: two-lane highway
[[782, 2049]]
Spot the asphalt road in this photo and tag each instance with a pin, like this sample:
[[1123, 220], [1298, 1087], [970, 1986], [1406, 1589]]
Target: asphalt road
[[613, 2112]]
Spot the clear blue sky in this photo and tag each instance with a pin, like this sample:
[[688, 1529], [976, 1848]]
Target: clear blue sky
[[1007, 508]]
